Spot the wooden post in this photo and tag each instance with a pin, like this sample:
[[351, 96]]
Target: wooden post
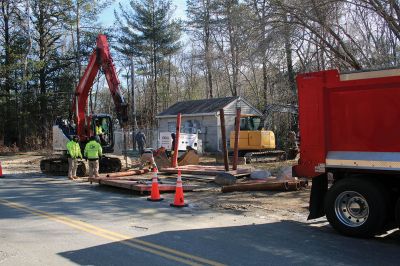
[[223, 134], [236, 147], [125, 148], [174, 162]]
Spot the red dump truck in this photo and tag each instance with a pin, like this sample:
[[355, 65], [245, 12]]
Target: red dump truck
[[350, 132]]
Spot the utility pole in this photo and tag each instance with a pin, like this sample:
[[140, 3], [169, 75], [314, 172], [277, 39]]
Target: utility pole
[[134, 126]]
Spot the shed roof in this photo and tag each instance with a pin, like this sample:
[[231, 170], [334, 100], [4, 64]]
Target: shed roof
[[204, 106]]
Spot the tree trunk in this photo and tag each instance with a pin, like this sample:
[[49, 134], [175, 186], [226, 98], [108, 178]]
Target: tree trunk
[[78, 40], [289, 61], [265, 80], [155, 109], [42, 74], [207, 44], [233, 57], [7, 127], [133, 103], [233, 48], [155, 101], [168, 83]]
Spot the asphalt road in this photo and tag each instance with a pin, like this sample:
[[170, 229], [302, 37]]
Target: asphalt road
[[51, 221]]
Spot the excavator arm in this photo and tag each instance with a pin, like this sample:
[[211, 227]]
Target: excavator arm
[[99, 59]]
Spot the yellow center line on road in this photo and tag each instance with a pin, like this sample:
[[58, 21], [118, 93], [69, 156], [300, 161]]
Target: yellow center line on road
[[156, 249]]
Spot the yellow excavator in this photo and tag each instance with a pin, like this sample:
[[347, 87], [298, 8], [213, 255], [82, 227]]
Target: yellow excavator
[[255, 142]]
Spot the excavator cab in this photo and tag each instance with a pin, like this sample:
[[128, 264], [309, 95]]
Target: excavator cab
[[102, 127], [250, 122]]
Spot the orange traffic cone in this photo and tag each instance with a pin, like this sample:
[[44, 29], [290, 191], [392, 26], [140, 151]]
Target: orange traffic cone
[[155, 192], [179, 200], [1, 171]]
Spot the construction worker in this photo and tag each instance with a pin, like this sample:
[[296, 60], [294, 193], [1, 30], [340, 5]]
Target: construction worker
[[141, 141], [147, 159], [73, 153], [93, 152], [105, 128], [173, 143], [99, 131], [293, 147]]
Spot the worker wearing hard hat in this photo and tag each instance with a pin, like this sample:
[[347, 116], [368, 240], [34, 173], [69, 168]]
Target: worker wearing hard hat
[[93, 152], [73, 153]]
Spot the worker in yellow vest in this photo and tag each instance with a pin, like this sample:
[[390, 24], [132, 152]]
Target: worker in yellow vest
[[73, 153], [100, 132], [93, 152]]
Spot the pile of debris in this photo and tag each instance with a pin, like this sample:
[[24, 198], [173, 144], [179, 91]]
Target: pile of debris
[[261, 180]]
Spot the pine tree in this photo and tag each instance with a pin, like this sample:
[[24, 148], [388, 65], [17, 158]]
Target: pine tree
[[149, 32], [12, 43], [49, 19]]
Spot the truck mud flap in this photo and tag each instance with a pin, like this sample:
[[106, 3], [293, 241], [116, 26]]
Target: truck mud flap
[[318, 191]]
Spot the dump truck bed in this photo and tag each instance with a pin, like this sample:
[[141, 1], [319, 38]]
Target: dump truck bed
[[349, 120]]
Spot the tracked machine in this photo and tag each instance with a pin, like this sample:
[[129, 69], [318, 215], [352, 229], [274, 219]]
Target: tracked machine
[[256, 143], [83, 122]]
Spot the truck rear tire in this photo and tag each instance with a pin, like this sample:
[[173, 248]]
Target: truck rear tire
[[356, 207]]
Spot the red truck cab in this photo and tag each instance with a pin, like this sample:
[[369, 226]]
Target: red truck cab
[[350, 129]]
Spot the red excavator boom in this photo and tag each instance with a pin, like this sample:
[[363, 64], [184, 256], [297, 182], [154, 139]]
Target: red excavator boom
[[100, 58]]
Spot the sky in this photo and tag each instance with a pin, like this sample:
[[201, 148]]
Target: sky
[[107, 16]]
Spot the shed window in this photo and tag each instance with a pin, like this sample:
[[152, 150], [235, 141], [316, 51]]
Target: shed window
[[191, 126], [171, 126]]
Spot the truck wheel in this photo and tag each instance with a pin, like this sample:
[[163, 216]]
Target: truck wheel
[[356, 207]]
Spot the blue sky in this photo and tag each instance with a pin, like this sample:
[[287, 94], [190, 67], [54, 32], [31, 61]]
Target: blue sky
[[107, 16]]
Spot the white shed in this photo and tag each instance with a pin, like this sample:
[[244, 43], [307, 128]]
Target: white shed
[[202, 117]]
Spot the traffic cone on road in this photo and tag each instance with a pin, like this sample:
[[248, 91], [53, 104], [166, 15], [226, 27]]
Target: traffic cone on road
[[179, 200], [1, 171], [155, 192]]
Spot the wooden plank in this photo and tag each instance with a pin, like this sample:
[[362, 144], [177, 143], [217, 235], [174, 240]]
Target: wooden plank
[[202, 178], [128, 173], [206, 170], [132, 178], [236, 144], [141, 186], [223, 132], [192, 172]]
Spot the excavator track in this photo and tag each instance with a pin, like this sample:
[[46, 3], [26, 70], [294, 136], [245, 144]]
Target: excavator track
[[265, 156], [58, 166]]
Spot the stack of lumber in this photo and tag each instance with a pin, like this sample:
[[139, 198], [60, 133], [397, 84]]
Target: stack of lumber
[[205, 170]]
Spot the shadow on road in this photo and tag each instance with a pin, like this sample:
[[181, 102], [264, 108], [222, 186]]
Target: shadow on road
[[282, 243]]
